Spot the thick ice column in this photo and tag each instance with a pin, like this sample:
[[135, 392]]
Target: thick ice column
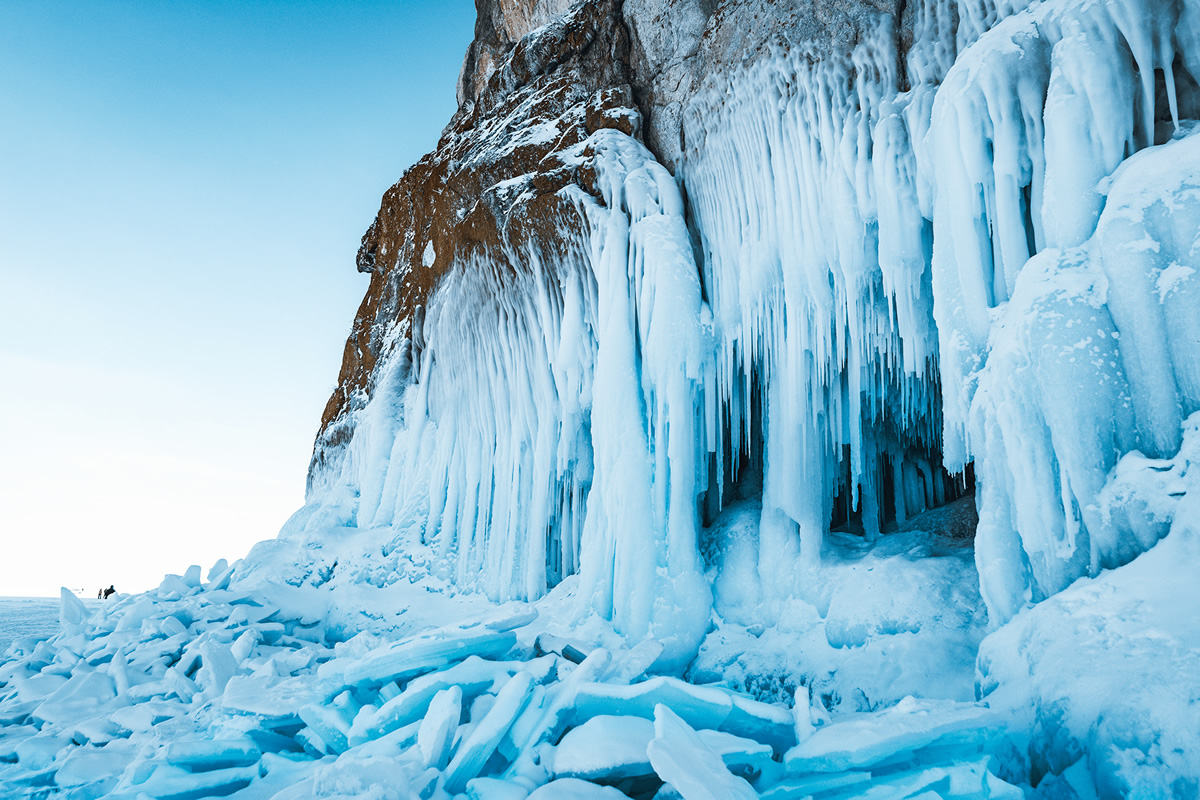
[[1147, 246], [640, 563], [620, 551], [1089, 130]]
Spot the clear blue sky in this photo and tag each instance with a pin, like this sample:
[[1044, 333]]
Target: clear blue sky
[[183, 186]]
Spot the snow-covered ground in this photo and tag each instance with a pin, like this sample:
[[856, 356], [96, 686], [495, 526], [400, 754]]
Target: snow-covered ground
[[36, 617]]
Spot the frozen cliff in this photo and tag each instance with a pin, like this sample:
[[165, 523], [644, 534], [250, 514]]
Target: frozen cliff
[[841, 354], [849, 262]]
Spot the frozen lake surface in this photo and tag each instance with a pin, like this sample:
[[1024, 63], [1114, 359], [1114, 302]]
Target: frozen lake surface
[[27, 616]]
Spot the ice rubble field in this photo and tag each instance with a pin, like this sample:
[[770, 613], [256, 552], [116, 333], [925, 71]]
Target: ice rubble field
[[254, 689]]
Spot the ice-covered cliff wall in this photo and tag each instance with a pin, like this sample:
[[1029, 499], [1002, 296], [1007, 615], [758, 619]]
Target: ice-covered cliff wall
[[867, 222], [904, 248]]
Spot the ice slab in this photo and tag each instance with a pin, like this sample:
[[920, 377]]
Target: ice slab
[[217, 665], [330, 723], [97, 769], [472, 676], [38, 752], [98, 731], [744, 757], [143, 716], [551, 718], [435, 737], [205, 755], [894, 734], [699, 706], [275, 700], [763, 722], [413, 657], [73, 614], [510, 619], [10, 737], [172, 783], [632, 664], [797, 788], [969, 779], [572, 651], [272, 742], [495, 789], [479, 745], [38, 687], [82, 696], [682, 759]]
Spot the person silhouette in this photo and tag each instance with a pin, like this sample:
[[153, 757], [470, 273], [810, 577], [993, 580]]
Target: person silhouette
[[109, 591], [100, 594]]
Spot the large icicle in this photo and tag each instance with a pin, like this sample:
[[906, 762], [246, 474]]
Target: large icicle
[[640, 560]]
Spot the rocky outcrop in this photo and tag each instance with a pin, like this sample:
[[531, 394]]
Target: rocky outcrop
[[680, 45]]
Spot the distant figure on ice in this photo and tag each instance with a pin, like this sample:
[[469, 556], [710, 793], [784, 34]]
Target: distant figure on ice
[[100, 595], [109, 591]]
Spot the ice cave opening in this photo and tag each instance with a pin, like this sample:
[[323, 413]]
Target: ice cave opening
[[899, 483]]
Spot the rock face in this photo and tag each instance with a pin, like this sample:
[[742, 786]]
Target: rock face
[[679, 44]]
